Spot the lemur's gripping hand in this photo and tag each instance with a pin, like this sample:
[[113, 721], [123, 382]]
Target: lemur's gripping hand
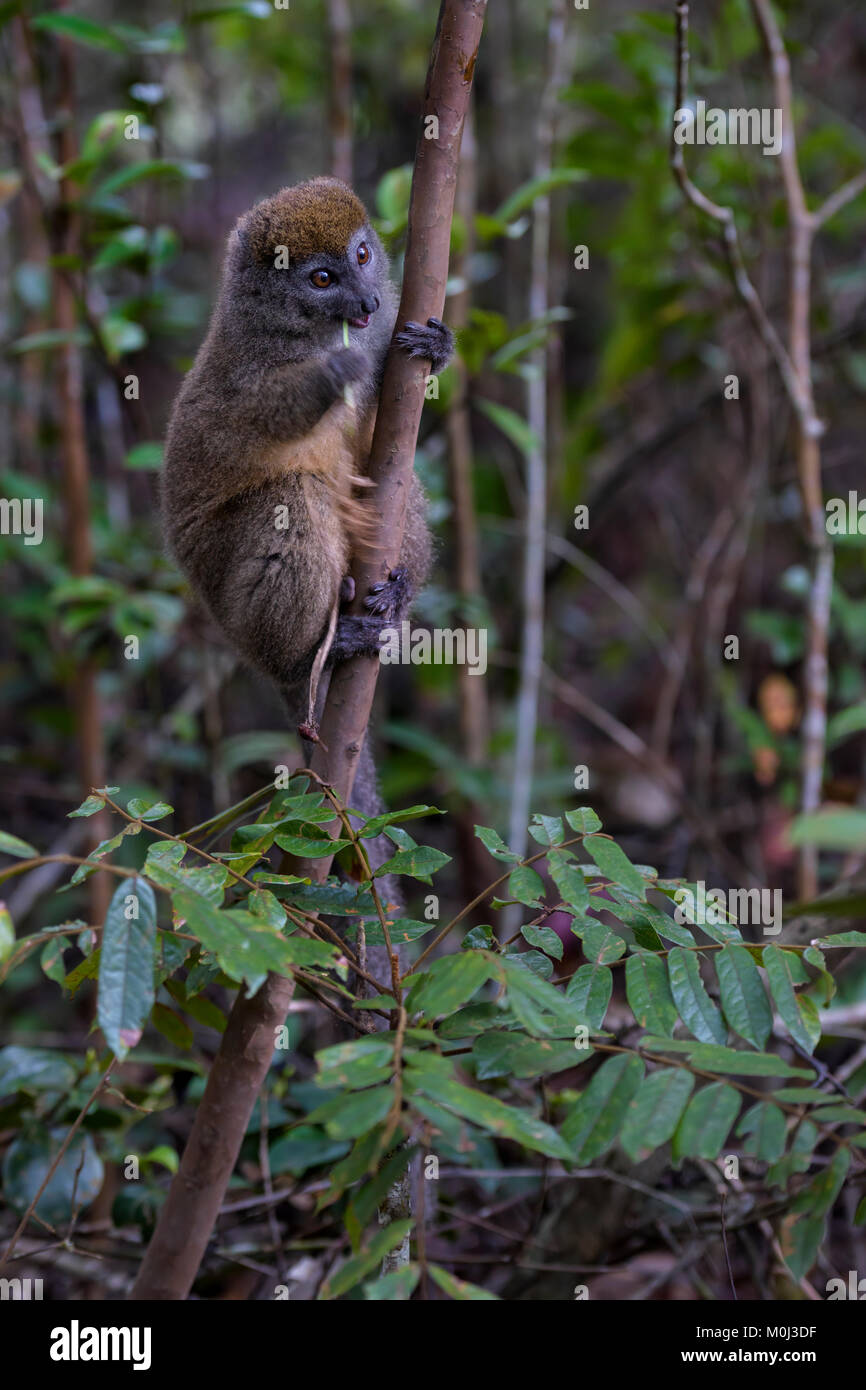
[[343, 367], [434, 341], [388, 603]]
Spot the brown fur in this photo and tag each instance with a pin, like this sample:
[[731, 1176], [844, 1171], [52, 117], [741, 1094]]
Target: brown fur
[[310, 218], [261, 429]]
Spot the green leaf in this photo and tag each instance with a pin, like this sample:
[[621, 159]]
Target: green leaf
[[397, 1286], [844, 830], [547, 830], [697, 1010], [704, 1127], [163, 865], [592, 1125], [7, 939], [303, 1148], [843, 938], [583, 820], [403, 930], [655, 1112], [797, 1159], [356, 1064], [477, 1018], [149, 169], [102, 849], [495, 845], [145, 457], [589, 989], [420, 863], [34, 1069], [648, 994], [570, 882], [10, 844], [312, 846], [710, 1057], [800, 1240], [545, 938], [120, 335], [524, 196], [204, 1011], [512, 425], [744, 998], [600, 942], [50, 957], [538, 1006], [75, 1183], [376, 824], [88, 807], [354, 1113], [80, 29], [526, 886], [450, 982], [799, 1015], [245, 945], [841, 1114], [614, 864], [505, 1053], [764, 1123], [802, 1095], [819, 1197], [126, 965], [148, 810], [354, 1269], [171, 1026], [491, 1114], [460, 1288], [50, 338]]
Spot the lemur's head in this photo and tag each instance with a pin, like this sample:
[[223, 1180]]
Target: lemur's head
[[309, 258]]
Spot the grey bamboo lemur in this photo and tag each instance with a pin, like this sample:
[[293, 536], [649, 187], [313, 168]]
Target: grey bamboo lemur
[[259, 490]]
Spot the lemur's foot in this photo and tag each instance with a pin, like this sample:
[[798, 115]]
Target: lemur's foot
[[387, 602], [390, 599], [434, 341], [355, 637]]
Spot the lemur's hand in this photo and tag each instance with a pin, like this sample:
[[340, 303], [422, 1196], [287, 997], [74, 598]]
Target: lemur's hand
[[434, 341], [345, 366]]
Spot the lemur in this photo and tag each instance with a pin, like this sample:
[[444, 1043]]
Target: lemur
[[265, 443]]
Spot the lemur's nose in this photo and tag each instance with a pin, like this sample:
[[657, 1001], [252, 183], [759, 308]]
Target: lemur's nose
[[370, 305]]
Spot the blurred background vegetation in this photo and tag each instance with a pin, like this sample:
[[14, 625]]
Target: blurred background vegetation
[[113, 231]]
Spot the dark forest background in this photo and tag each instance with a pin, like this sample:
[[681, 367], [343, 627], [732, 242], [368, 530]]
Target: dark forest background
[[110, 254]]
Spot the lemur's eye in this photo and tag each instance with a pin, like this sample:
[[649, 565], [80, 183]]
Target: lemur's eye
[[363, 253], [321, 279]]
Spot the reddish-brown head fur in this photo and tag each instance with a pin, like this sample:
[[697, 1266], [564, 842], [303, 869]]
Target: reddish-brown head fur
[[319, 215]]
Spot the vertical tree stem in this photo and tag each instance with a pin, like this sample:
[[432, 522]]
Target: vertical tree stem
[[239, 1068]]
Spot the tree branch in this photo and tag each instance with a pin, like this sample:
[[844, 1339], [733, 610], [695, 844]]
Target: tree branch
[[239, 1068]]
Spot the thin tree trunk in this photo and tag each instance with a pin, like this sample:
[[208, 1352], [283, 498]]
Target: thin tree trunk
[[532, 649], [239, 1068], [340, 28], [76, 475], [472, 700], [801, 230]]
